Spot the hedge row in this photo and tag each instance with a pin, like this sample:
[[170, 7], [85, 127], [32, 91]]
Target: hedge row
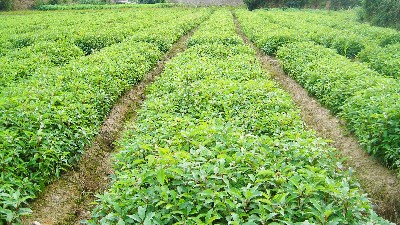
[[103, 6], [275, 28], [25, 61], [79, 28], [18, 31], [221, 23], [368, 101], [46, 122], [217, 142], [346, 21], [385, 60]]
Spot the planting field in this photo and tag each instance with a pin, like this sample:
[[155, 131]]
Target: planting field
[[216, 140], [48, 118], [367, 99]]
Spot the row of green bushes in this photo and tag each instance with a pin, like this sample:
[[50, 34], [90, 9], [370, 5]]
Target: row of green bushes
[[25, 62], [47, 47], [217, 142], [385, 60], [93, 5], [366, 100], [7, 5], [332, 78], [374, 46], [328, 4], [19, 31], [48, 120], [378, 12], [272, 29]]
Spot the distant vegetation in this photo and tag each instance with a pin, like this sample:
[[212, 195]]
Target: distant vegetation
[[377, 12], [7, 5], [381, 12], [330, 4]]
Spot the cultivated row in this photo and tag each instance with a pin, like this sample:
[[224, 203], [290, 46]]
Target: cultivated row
[[217, 142], [46, 122], [68, 39], [367, 100]]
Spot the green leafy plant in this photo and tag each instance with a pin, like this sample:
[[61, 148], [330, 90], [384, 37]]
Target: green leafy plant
[[47, 120], [385, 60], [217, 142], [367, 100], [273, 28]]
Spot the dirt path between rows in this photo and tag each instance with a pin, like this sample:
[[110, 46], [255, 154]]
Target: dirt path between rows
[[68, 200], [381, 184]]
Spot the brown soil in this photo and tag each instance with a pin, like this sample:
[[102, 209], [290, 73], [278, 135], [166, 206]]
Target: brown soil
[[68, 200], [381, 184]]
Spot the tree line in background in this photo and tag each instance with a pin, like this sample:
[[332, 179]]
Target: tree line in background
[[381, 12]]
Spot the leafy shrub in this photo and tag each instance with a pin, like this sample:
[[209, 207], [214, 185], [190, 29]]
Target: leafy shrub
[[253, 4], [100, 5], [217, 142], [151, 1], [47, 120], [333, 4], [221, 22], [374, 116], [341, 85], [276, 28], [385, 60], [24, 62]]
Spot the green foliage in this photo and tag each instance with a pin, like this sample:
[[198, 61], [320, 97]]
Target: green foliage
[[25, 61], [97, 6], [385, 60], [381, 12], [6, 5], [221, 22], [367, 100], [47, 120], [217, 142], [49, 46], [338, 30], [254, 4], [374, 116], [151, 1], [332, 4]]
